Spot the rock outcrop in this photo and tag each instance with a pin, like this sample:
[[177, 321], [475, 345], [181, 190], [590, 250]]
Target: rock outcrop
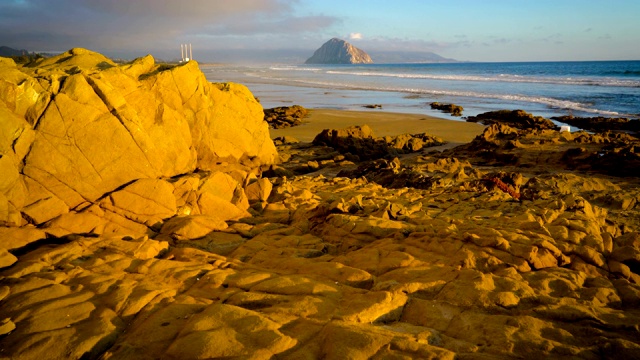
[[361, 142], [515, 118], [601, 124], [516, 245], [453, 109], [337, 51], [77, 128], [285, 116]]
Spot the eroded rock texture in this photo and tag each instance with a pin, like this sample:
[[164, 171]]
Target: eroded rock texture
[[511, 246], [285, 116], [77, 127]]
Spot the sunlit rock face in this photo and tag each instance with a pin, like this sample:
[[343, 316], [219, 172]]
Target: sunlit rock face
[[77, 127]]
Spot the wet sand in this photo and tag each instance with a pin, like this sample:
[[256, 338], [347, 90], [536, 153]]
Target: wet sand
[[382, 123]]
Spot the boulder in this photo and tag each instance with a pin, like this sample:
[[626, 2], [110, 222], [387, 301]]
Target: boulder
[[601, 124], [78, 128], [453, 109], [285, 116], [515, 118]]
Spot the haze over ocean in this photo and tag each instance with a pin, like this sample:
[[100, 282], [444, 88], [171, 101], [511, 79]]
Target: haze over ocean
[[592, 88]]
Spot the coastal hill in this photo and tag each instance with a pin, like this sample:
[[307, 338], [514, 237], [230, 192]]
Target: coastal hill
[[6, 51], [404, 57], [337, 51]]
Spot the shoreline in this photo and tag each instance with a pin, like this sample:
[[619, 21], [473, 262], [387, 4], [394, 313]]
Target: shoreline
[[383, 124]]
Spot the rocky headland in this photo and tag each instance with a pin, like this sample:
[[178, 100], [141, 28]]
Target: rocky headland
[[147, 214], [338, 51]]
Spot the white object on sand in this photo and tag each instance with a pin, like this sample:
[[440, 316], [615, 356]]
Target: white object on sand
[[565, 128]]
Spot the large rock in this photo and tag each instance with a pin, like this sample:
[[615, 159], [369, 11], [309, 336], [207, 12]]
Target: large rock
[[337, 51], [601, 124], [285, 116], [360, 141], [515, 118], [77, 127]]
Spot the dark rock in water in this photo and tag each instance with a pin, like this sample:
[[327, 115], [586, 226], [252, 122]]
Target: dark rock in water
[[515, 118], [373, 106], [285, 116], [453, 109], [600, 123], [360, 141], [337, 51]]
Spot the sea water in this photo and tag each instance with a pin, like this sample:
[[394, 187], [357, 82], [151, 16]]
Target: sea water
[[589, 88]]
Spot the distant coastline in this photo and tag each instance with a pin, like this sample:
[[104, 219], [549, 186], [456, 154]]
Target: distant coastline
[[581, 88]]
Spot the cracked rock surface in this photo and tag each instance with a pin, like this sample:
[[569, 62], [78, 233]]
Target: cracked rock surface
[[414, 255]]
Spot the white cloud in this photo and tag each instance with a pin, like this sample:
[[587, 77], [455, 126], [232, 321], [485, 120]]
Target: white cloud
[[355, 36]]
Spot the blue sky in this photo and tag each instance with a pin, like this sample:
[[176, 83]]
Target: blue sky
[[473, 30]]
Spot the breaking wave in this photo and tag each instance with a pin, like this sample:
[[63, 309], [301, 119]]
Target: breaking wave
[[550, 102], [604, 81]]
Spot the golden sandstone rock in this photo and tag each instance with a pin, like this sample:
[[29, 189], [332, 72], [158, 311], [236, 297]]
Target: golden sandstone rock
[[135, 226]]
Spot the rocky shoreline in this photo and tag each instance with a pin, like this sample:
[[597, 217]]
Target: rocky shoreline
[[214, 243]]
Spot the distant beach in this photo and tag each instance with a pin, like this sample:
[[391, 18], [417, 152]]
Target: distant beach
[[383, 124], [598, 88]]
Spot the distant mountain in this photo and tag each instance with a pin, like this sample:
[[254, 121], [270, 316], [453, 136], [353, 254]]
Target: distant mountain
[[6, 51], [400, 57], [337, 51]]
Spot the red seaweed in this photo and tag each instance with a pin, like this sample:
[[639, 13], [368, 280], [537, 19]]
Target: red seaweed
[[504, 187]]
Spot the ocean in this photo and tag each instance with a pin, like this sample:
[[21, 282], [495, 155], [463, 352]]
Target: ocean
[[589, 88]]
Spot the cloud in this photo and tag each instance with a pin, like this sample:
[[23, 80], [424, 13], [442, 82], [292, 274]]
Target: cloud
[[355, 36], [501, 41], [147, 25], [552, 38], [382, 43], [288, 25]]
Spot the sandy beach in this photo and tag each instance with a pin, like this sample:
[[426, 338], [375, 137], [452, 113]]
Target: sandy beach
[[383, 124]]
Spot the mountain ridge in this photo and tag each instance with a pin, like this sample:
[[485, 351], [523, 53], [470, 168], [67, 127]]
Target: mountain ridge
[[408, 57], [6, 51]]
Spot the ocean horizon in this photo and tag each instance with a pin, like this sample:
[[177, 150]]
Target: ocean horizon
[[544, 88]]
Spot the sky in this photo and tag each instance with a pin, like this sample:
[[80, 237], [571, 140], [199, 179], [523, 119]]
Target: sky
[[466, 30]]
